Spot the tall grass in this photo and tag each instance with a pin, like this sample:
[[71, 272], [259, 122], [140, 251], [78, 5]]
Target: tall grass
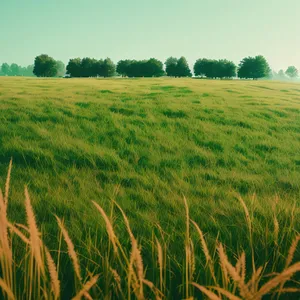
[[29, 270]]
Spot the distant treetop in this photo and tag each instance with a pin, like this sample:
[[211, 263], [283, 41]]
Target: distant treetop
[[254, 67], [292, 72], [90, 67], [45, 66], [215, 68], [15, 70], [178, 67]]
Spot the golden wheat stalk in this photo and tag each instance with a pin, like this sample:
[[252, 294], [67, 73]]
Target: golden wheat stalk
[[136, 256], [226, 293], [282, 277], [136, 259], [87, 296], [290, 257], [208, 258], [276, 229], [35, 242], [288, 290], [55, 283], [6, 251], [7, 183], [7, 290], [18, 233], [160, 262], [158, 294], [187, 248], [4, 239], [71, 249], [206, 292], [86, 288], [242, 260], [6, 260], [249, 221], [254, 281], [117, 278], [203, 242], [292, 251], [244, 291], [109, 228]]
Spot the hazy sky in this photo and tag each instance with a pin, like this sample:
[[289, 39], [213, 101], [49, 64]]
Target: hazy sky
[[139, 29]]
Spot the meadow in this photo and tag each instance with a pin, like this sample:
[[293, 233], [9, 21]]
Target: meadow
[[230, 148]]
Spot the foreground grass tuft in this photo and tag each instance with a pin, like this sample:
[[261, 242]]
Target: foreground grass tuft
[[29, 271]]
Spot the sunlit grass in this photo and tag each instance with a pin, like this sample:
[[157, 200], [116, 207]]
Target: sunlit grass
[[145, 143]]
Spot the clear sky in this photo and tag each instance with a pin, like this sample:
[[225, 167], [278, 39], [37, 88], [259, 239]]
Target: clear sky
[[140, 29]]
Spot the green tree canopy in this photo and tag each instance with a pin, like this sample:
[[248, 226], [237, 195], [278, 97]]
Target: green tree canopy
[[140, 68], [90, 67], [254, 67], [5, 69], [292, 72], [74, 67], [15, 70], [183, 69], [215, 68], [109, 68], [281, 74], [122, 67], [153, 68], [87, 66], [45, 66], [177, 67], [61, 68], [171, 66]]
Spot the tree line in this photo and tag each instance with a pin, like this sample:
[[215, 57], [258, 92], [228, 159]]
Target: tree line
[[90, 67], [46, 66], [211, 68], [249, 68], [16, 70], [291, 72], [255, 68]]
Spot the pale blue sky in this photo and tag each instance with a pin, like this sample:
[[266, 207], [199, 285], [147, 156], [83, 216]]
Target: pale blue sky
[[139, 29]]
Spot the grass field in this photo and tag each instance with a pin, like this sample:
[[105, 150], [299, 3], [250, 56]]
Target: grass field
[[145, 143]]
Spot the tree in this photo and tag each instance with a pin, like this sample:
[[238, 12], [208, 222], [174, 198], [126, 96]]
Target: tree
[[90, 67], [292, 72], [74, 67], [262, 68], [226, 69], [5, 68], [45, 66], [98, 68], [183, 69], [122, 67], [201, 67], [254, 67], [281, 74], [171, 66], [153, 68], [15, 70], [135, 69], [215, 68], [109, 68], [61, 68], [140, 68], [87, 66], [245, 69]]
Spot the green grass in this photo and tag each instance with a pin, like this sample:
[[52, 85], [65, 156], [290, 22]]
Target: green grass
[[153, 141]]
